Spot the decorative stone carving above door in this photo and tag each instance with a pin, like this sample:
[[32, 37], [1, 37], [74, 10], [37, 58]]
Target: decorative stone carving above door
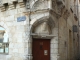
[[43, 28]]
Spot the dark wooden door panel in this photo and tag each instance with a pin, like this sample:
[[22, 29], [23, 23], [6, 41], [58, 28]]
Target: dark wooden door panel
[[41, 49]]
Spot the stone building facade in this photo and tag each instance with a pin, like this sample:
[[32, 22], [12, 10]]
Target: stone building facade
[[28, 20]]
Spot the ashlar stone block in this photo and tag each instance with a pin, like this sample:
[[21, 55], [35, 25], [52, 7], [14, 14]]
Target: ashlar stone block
[[15, 50], [18, 58], [20, 28], [19, 39], [9, 23], [21, 10], [21, 50], [54, 51]]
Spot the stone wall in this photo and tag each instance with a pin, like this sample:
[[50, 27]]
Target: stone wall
[[36, 11], [19, 32], [67, 36]]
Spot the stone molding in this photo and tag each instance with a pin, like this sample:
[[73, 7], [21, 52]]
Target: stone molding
[[36, 11], [21, 4], [12, 5], [3, 8], [9, 5]]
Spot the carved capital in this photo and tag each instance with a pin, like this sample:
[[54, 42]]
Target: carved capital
[[60, 5], [66, 14], [60, 8], [53, 12]]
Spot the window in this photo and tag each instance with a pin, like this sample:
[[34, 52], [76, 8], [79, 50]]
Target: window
[[4, 44]]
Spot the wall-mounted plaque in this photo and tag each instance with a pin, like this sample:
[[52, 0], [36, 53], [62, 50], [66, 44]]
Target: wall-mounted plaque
[[45, 52], [22, 18]]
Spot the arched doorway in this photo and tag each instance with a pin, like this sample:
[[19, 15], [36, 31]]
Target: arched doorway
[[43, 38], [41, 44]]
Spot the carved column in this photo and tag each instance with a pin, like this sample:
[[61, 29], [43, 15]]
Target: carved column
[[28, 42], [30, 48]]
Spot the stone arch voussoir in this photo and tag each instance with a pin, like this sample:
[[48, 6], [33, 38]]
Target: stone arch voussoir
[[2, 24]]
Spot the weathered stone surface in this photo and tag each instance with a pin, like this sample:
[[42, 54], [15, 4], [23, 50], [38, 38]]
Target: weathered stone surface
[[20, 40]]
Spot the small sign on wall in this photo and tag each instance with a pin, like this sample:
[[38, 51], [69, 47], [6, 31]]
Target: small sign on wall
[[45, 52], [74, 28], [22, 18]]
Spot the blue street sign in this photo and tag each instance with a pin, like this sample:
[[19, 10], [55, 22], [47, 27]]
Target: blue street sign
[[23, 18]]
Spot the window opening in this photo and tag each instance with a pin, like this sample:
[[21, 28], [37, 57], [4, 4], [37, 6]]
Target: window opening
[[4, 41]]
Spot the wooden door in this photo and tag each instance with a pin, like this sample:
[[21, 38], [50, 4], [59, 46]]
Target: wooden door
[[41, 49]]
